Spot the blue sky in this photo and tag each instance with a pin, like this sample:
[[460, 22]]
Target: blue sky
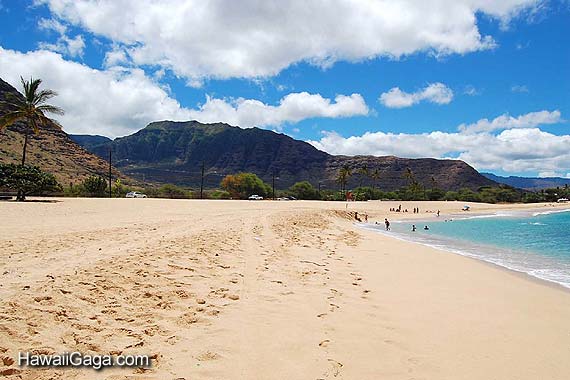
[[318, 73]]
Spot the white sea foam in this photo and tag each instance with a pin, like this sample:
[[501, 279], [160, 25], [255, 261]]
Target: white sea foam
[[541, 267], [550, 212]]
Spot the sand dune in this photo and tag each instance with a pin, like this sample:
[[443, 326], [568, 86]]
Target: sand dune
[[264, 290]]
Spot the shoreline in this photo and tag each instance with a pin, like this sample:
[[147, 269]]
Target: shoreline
[[461, 251], [458, 252]]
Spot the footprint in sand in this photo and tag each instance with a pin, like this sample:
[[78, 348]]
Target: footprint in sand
[[324, 343], [207, 355]]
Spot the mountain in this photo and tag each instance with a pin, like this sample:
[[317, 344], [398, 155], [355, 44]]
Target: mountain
[[529, 183], [90, 141], [173, 152], [52, 149]]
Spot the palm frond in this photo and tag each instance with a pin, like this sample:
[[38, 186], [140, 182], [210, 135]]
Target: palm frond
[[30, 88], [43, 96], [14, 101], [34, 124], [11, 118], [45, 121], [48, 108]]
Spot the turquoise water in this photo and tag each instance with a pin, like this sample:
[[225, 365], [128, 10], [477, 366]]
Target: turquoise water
[[537, 244]]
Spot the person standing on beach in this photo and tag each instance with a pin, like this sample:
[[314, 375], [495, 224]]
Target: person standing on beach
[[387, 223]]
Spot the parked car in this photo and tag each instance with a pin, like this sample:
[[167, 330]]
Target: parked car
[[563, 200], [255, 197], [135, 194]]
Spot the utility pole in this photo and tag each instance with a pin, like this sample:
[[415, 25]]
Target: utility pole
[[202, 182], [110, 174], [274, 185]]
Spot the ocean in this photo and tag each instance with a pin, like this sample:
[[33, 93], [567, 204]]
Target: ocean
[[536, 243]]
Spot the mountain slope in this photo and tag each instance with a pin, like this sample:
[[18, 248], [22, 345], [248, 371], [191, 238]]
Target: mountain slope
[[90, 141], [529, 183], [52, 150], [173, 152]]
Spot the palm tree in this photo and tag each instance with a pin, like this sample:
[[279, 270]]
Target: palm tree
[[375, 177], [364, 173], [343, 175], [413, 184], [31, 109]]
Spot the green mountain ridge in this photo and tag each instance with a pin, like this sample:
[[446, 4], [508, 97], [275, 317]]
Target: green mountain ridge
[[173, 152]]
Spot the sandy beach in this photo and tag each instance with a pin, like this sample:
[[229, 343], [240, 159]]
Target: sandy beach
[[265, 290]]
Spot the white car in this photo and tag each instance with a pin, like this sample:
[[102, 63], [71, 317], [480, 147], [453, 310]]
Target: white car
[[135, 194], [255, 197]]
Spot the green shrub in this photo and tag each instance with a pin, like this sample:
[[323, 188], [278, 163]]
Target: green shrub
[[27, 180], [219, 194], [304, 190], [242, 185], [95, 186]]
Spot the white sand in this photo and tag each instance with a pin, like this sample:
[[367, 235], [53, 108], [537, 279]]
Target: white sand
[[292, 290]]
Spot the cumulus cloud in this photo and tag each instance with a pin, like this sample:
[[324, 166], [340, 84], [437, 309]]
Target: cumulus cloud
[[529, 120], [291, 109], [250, 38], [119, 101], [70, 46], [512, 150], [435, 93]]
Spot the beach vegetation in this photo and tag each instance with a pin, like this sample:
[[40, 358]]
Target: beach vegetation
[[94, 186], [304, 190], [27, 180], [242, 185], [342, 178], [218, 194], [30, 110]]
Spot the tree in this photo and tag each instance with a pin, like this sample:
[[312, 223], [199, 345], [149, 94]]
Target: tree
[[27, 180], [375, 175], [31, 109], [242, 185], [364, 172], [172, 191], [342, 179], [95, 186], [413, 185], [304, 190]]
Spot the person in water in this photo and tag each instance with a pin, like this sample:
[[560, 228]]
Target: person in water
[[413, 228], [387, 223], [426, 228]]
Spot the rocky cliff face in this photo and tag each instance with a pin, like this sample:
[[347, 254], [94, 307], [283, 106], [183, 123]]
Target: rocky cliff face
[[173, 152], [52, 149]]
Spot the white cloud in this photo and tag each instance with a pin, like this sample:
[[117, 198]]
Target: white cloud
[[52, 24], [251, 38], [72, 47], [119, 101], [471, 91], [437, 93], [292, 108], [520, 89], [513, 150], [529, 120]]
